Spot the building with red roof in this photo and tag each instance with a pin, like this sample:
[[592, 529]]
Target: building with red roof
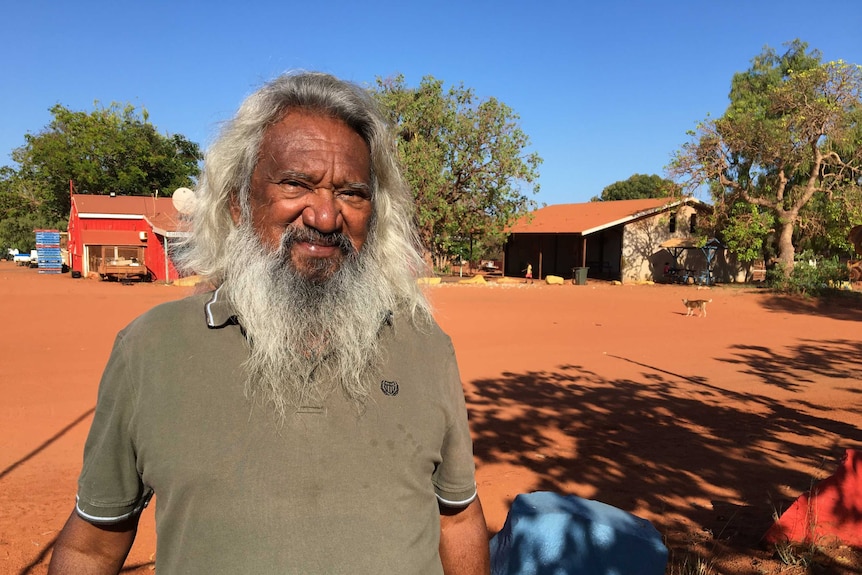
[[614, 240], [126, 236]]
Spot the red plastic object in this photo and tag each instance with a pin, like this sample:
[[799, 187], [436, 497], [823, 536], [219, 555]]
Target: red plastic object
[[833, 508]]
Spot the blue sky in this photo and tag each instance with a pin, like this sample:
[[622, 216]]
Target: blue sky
[[603, 89]]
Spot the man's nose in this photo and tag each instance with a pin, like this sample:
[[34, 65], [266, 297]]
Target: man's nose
[[322, 211]]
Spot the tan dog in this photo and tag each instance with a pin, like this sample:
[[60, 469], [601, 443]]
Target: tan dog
[[695, 304]]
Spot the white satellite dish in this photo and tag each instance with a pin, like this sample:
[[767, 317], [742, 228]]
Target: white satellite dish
[[184, 200]]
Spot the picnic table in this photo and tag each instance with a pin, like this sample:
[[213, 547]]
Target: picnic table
[[689, 276]]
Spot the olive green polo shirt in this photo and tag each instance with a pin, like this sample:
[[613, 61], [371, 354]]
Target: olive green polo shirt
[[329, 491]]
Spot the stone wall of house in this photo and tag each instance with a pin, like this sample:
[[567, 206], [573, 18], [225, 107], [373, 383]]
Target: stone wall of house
[[642, 259]]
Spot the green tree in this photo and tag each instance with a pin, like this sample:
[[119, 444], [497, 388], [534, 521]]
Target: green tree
[[111, 149], [19, 213], [746, 230], [824, 223], [639, 186], [17, 231], [466, 162], [792, 133]]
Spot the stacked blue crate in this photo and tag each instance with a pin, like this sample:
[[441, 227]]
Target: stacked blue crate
[[48, 247]]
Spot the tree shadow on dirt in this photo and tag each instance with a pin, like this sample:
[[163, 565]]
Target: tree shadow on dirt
[[40, 560], [804, 364], [47, 443], [842, 306], [41, 557], [701, 458]]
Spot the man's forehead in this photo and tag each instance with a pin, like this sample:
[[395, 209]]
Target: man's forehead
[[310, 118], [313, 136]]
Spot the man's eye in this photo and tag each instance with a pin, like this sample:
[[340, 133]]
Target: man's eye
[[353, 196], [293, 188]]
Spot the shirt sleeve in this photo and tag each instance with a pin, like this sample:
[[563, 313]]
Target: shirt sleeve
[[454, 479], [110, 489]]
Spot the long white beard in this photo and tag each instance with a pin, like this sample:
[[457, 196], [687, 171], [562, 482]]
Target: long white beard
[[307, 337]]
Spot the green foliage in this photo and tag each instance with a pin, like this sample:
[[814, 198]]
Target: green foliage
[[824, 224], [639, 186], [111, 149], [746, 230], [465, 161], [18, 231], [810, 276], [789, 143]]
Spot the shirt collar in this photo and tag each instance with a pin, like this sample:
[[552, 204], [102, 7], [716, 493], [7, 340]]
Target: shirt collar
[[218, 310]]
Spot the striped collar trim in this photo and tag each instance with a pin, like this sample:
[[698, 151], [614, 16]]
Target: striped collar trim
[[218, 311]]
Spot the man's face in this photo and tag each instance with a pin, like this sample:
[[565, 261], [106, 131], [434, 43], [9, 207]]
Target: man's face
[[313, 178]]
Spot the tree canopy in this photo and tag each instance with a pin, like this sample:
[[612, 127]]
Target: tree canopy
[[638, 186], [466, 162], [111, 149], [787, 152]]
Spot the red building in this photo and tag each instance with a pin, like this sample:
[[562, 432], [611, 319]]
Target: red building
[[124, 236]]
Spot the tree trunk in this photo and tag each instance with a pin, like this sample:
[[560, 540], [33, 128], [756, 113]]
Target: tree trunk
[[428, 258], [786, 250]]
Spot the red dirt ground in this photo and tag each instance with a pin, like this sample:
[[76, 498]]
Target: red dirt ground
[[705, 426]]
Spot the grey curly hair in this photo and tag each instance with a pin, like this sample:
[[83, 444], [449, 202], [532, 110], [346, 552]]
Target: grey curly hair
[[231, 160]]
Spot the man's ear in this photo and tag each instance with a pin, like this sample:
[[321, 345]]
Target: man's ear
[[235, 209]]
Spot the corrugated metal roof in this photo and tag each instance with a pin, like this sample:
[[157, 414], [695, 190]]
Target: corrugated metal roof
[[590, 217], [160, 212], [131, 205], [169, 225]]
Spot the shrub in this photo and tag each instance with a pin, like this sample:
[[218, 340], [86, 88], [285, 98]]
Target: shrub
[[810, 276]]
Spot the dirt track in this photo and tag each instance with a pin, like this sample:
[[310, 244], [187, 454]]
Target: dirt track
[[705, 426]]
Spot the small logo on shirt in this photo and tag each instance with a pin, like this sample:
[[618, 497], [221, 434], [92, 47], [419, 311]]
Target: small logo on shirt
[[389, 387]]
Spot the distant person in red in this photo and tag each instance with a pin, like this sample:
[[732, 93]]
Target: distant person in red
[[529, 274]]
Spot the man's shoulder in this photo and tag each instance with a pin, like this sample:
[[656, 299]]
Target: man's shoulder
[[419, 329], [187, 311]]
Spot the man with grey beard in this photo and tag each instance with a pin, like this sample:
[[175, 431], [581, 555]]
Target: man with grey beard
[[306, 415]]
